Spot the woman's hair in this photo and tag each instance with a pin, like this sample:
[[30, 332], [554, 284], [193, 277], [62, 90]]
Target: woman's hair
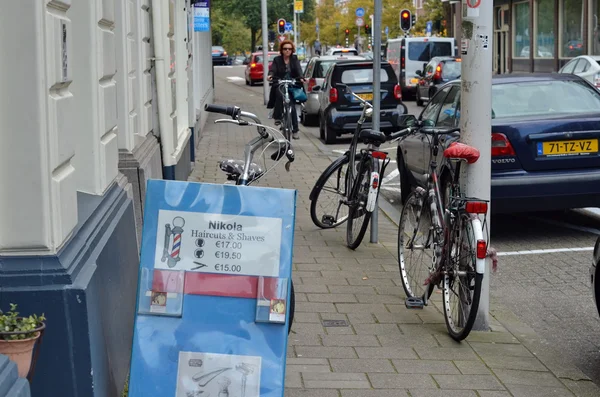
[[283, 43]]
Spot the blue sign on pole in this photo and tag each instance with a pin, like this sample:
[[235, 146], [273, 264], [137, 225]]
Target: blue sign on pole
[[429, 26], [202, 16], [317, 28], [212, 305], [289, 27], [387, 30], [360, 12]]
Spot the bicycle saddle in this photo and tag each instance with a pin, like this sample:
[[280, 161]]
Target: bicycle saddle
[[458, 150], [371, 136], [235, 168]]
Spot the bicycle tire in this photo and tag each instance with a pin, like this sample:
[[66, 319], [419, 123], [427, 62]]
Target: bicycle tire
[[412, 283], [358, 198], [460, 329], [334, 168]]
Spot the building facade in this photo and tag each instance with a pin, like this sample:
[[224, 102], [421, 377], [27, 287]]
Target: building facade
[[539, 35], [97, 97]]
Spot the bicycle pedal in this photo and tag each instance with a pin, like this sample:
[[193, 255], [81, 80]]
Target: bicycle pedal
[[328, 220], [414, 303]]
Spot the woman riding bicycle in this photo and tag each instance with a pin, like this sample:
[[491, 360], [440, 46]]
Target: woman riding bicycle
[[284, 66]]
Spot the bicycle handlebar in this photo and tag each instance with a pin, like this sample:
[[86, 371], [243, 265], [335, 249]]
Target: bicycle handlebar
[[232, 111], [437, 131]]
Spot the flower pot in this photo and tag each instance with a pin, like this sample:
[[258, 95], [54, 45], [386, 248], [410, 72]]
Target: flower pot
[[20, 351]]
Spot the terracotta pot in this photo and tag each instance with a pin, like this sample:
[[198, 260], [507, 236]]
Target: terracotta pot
[[20, 351]]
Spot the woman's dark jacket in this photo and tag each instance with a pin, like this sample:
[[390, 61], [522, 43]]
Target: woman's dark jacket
[[277, 70]]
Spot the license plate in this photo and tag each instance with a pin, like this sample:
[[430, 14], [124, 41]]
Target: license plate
[[367, 97], [414, 81], [566, 148]]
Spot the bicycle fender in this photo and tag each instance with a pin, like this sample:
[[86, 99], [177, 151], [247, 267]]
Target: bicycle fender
[[478, 235], [323, 177], [373, 189]]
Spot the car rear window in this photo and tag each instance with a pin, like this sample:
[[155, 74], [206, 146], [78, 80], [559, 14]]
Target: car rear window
[[258, 58], [321, 67], [362, 75], [423, 51], [543, 98], [450, 70]]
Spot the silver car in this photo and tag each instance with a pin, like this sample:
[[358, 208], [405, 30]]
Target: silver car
[[585, 66], [314, 75]]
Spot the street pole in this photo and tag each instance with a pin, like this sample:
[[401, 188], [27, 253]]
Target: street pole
[[476, 118], [376, 105], [265, 47], [295, 30]]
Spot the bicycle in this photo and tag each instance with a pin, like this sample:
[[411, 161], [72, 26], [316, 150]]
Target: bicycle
[[448, 225], [287, 125], [245, 172], [360, 181]]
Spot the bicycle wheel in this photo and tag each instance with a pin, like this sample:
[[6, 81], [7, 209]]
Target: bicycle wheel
[[328, 207], [358, 216], [415, 247], [461, 282], [287, 124]]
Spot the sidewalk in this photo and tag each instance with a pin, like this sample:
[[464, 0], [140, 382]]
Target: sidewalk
[[380, 348]]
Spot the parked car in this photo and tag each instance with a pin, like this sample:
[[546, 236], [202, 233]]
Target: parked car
[[339, 111], [435, 74], [239, 60], [342, 51], [254, 68], [219, 55], [314, 75], [545, 133], [585, 66], [595, 274]]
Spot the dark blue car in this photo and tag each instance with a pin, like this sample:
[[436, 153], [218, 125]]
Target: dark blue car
[[545, 133]]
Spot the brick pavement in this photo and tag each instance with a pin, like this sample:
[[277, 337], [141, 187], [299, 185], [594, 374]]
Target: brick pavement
[[386, 350]]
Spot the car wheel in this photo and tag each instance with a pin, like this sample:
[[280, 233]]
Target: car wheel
[[247, 82], [330, 136], [419, 100], [321, 127], [405, 187]]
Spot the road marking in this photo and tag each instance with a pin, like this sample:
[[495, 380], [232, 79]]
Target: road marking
[[545, 251], [390, 176], [566, 225], [235, 78]]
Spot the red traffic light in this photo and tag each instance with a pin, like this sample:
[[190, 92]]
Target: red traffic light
[[347, 31], [405, 15], [281, 23]]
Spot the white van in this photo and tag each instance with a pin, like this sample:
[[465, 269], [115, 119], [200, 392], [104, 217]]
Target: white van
[[408, 54]]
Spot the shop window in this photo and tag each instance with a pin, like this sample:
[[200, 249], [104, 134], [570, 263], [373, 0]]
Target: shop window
[[521, 36], [572, 28], [544, 23], [595, 27]]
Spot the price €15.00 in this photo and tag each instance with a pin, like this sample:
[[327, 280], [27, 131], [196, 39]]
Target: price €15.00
[[228, 255], [228, 268]]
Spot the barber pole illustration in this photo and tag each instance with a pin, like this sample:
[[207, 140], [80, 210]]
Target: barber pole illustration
[[172, 246]]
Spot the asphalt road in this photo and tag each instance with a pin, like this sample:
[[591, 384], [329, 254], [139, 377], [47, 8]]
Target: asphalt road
[[544, 259]]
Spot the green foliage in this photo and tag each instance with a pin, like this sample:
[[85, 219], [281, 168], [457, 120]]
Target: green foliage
[[435, 12], [11, 322], [231, 33]]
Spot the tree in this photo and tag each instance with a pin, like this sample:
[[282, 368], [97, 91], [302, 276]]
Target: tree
[[434, 12], [231, 33]]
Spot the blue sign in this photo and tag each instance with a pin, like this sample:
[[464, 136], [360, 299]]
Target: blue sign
[[317, 28], [202, 16], [387, 30], [212, 304], [360, 12], [289, 27], [429, 26]]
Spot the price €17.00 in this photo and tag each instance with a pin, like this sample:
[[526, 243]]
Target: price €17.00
[[236, 245], [228, 255]]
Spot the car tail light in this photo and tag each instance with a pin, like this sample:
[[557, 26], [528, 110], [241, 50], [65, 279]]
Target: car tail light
[[397, 92], [476, 207], [333, 95], [252, 65], [402, 63], [438, 72], [311, 83], [224, 53], [501, 145], [481, 249]]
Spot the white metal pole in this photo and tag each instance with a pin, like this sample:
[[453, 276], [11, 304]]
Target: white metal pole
[[265, 47], [376, 27], [295, 30], [475, 116]]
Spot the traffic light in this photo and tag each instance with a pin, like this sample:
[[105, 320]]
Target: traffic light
[[281, 26], [271, 35], [414, 20], [347, 31], [367, 29], [405, 20]]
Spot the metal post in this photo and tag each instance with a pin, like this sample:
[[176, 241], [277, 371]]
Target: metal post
[[265, 46], [295, 30], [376, 103], [476, 118]]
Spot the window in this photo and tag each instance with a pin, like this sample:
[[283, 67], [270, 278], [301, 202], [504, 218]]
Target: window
[[569, 67], [430, 113], [448, 110], [594, 28], [545, 36], [572, 28], [581, 67], [521, 28], [451, 70], [359, 76], [321, 68], [423, 51]]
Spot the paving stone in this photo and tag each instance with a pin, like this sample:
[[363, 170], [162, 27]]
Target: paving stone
[[480, 382], [472, 367], [307, 288], [386, 352], [310, 393], [314, 307], [361, 365], [334, 298], [293, 380], [582, 388], [441, 393], [492, 393], [445, 353], [516, 363], [325, 352], [351, 289], [398, 318], [527, 378], [500, 349], [336, 380], [425, 367], [308, 368], [360, 308], [377, 329], [538, 391], [303, 317], [307, 361], [374, 393], [412, 341], [297, 339], [402, 381], [350, 340]]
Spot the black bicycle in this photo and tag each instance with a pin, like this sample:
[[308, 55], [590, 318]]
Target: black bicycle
[[245, 172], [284, 85], [353, 180]]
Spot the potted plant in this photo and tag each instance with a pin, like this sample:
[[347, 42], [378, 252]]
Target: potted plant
[[18, 336]]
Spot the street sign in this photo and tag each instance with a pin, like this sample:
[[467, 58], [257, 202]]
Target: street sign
[[428, 28], [289, 27], [281, 38], [317, 28], [360, 12], [337, 25], [360, 21], [387, 30], [299, 6]]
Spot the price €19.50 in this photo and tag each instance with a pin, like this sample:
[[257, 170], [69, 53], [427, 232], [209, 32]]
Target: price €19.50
[[228, 255]]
